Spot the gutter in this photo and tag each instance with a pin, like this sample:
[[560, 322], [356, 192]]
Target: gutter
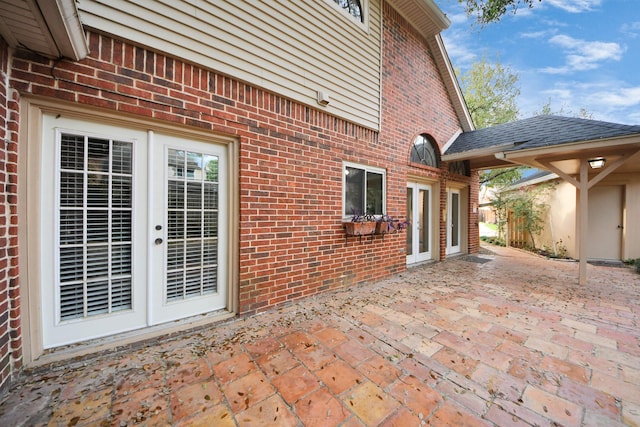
[[563, 147], [479, 152], [63, 24]]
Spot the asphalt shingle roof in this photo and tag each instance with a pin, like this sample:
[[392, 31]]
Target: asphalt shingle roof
[[539, 131]]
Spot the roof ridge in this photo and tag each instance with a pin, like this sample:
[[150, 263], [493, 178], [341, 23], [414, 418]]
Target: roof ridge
[[590, 121]]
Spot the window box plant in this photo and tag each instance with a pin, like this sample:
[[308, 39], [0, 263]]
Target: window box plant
[[387, 225], [369, 225]]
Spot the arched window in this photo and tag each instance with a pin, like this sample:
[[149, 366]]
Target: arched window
[[353, 7], [425, 151]]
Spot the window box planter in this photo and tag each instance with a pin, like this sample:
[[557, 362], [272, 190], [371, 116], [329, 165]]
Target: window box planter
[[388, 225], [368, 225], [360, 228]]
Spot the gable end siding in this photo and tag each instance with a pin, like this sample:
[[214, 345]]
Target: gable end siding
[[293, 49]]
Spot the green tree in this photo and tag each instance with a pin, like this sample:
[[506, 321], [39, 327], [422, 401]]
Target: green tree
[[583, 113], [488, 11], [529, 209], [491, 91]]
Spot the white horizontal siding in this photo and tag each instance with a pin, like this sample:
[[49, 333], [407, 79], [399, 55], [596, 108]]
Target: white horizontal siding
[[293, 48]]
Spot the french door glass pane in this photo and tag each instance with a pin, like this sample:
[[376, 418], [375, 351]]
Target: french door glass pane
[[424, 220], [192, 224], [94, 253], [455, 218]]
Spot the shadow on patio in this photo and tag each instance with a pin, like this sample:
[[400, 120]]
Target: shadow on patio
[[467, 342]]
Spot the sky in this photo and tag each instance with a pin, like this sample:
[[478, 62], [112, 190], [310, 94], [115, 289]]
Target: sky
[[573, 54]]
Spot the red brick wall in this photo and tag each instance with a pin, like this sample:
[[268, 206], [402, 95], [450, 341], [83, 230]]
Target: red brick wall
[[10, 334], [414, 97], [415, 101], [291, 239], [474, 230]]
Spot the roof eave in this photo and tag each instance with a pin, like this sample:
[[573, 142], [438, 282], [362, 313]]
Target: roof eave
[[470, 154], [443, 63], [55, 29], [602, 143], [65, 27], [424, 15]]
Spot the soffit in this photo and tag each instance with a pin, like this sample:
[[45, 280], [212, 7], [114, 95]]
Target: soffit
[[424, 15], [49, 28]]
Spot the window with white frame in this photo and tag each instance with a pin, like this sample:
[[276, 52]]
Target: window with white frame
[[363, 190]]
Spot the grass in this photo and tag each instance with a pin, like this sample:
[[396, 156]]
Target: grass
[[493, 227]]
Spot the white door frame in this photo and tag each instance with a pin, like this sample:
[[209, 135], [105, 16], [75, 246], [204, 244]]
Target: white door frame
[[57, 331], [147, 275], [35, 240], [417, 226], [453, 221], [160, 309]]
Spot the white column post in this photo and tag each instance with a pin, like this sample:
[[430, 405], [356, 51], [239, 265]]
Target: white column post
[[584, 220]]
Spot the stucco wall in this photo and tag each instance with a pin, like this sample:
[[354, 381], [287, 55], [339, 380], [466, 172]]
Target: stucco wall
[[561, 216], [561, 220]]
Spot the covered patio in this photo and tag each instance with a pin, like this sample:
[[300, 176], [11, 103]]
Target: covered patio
[[503, 338], [582, 152]]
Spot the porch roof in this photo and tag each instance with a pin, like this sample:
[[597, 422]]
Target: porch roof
[[545, 136], [563, 145]]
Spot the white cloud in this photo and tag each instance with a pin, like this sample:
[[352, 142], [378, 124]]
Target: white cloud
[[535, 34], [609, 100], [632, 29], [583, 55], [575, 6], [458, 18], [459, 48], [617, 97]]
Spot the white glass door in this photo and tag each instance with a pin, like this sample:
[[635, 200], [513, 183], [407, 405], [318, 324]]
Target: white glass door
[[419, 230], [453, 221], [93, 256], [133, 231], [188, 233]]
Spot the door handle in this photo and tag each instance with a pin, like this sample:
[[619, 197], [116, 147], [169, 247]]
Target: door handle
[[158, 241], [620, 227]]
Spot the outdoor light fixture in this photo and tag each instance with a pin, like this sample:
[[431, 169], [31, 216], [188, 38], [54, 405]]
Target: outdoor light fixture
[[597, 163]]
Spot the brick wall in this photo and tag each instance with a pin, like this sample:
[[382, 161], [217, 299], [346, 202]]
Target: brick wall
[[291, 239], [413, 86], [10, 335], [474, 217]]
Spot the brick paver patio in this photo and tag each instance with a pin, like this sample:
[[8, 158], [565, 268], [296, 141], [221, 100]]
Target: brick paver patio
[[503, 339]]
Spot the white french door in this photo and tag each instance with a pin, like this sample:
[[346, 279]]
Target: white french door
[[187, 253], [453, 221], [132, 227], [419, 231]]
